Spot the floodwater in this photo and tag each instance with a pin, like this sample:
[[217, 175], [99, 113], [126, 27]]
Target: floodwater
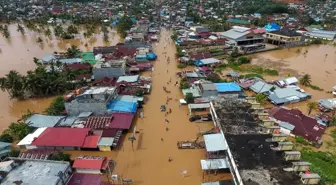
[[147, 163], [319, 61], [18, 52]]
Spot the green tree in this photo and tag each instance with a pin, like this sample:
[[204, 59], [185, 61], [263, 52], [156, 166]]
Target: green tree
[[106, 37], [39, 40], [5, 32], [261, 98], [73, 51], [124, 24], [72, 30], [244, 60], [305, 80], [312, 106], [6, 137], [56, 107], [47, 33], [58, 31], [189, 98]]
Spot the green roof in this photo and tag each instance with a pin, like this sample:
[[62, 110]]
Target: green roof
[[237, 21], [88, 57]]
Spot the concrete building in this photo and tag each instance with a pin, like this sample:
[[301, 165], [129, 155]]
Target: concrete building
[[238, 36], [283, 37], [37, 172], [93, 99], [110, 68]]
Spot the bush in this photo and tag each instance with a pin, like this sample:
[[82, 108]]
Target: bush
[[316, 41], [181, 65], [184, 84], [244, 60], [6, 137], [252, 75], [301, 140], [60, 156], [315, 87], [271, 72], [56, 107]]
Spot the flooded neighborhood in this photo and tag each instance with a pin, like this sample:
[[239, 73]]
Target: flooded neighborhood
[[177, 92]]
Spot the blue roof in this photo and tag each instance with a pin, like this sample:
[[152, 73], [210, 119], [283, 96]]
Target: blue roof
[[122, 106], [272, 27], [227, 87], [151, 56]]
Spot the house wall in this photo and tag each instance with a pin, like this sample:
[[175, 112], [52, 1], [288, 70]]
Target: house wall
[[91, 171], [74, 108], [283, 38], [104, 148], [110, 72], [229, 96]]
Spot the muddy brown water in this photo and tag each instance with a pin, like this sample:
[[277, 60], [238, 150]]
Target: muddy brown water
[[17, 53], [148, 163]]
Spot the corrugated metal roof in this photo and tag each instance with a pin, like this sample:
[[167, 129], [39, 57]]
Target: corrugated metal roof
[[122, 120], [106, 141], [215, 142], [30, 137], [261, 87], [88, 163], [91, 142], [85, 179], [198, 105], [133, 78], [40, 120], [227, 87]]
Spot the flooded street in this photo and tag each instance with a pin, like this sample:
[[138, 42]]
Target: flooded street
[[148, 163], [18, 52]]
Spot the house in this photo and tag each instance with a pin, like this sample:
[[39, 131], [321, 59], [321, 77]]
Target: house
[[326, 105], [287, 81], [36, 172], [208, 89], [91, 164], [109, 69], [85, 179], [261, 87], [194, 90], [116, 120], [26, 142], [40, 120], [207, 61], [4, 149], [287, 95], [228, 90], [294, 122], [91, 99], [199, 55], [322, 34], [283, 37], [62, 138], [238, 36]]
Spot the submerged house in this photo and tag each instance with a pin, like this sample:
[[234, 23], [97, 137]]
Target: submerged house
[[283, 37], [110, 69], [93, 99], [91, 164], [287, 95], [294, 122]]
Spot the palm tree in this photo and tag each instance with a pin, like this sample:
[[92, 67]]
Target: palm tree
[[106, 37], [305, 80], [73, 51], [47, 32], [20, 29], [312, 106]]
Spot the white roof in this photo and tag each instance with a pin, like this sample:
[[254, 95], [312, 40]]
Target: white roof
[[291, 80], [214, 164], [199, 105], [133, 78], [215, 142], [98, 90], [30, 137], [210, 61], [211, 183]]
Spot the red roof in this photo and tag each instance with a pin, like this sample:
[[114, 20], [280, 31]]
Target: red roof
[[62, 137], [110, 132], [98, 122], [305, 126], [85, 179], [79, 66], [199, 56], [89, 163], [122, 120], [106, 81], [91, 142], [259, 31]]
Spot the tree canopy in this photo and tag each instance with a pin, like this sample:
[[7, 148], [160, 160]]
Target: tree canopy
[[124, 24], [56, 107]]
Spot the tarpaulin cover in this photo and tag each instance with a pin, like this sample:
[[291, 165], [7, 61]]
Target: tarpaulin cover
[[122, 106], [272, 27], [151, 56]]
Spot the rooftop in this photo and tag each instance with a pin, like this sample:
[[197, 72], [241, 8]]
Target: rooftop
[[90, 162], [91, 95], [73, 137], [40, 120], [85, 179], [257, 163], [287, 33], [236, 116], [34, 172]]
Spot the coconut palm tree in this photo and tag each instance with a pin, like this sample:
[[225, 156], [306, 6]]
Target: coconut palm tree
[[73, 51], [20, 29], [312, 106], [305, 80]]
